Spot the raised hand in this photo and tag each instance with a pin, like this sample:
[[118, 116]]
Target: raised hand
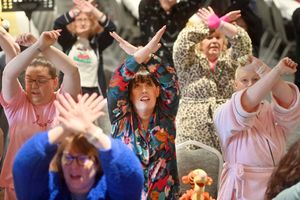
[[84, 6], [286, 66], [48, 38], [231, 16], [142, 54], [26, 39], [94, 103], [154, 44], [126, 46], [209, 17], [79, 117]]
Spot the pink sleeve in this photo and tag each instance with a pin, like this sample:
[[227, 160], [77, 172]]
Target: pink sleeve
[[13, 104], [289, 117], [231, 118]]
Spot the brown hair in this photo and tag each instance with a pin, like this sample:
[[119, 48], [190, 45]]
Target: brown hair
[[143, 76], [80, 143], [287, 173], [95, 26], [43, 62]]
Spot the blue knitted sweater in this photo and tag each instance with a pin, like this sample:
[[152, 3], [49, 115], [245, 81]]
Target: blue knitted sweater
[[122, 179]]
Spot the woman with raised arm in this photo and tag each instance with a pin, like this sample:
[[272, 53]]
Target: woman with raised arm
[[84, 36], [31, 109], [252, 131], [205, 68], [143, 98], [87, 164]]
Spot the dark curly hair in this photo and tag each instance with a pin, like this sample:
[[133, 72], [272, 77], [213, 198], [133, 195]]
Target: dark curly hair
[[287, 173]]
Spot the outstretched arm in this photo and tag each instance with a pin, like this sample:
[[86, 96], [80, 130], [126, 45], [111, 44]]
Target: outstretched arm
[[269, 82]]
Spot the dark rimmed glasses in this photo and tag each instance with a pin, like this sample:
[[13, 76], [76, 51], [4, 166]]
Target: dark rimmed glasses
[[39, 81], [81, 160]]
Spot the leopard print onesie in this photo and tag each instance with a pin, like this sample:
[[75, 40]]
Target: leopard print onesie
[[203, 90]]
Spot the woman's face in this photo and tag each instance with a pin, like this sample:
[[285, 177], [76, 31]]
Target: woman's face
[[213, 45], [79, 171], [39, 85], [167, 4], [143, 96], [82, 25], [245, 78]]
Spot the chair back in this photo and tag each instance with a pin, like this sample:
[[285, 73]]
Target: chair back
[[264, 12]]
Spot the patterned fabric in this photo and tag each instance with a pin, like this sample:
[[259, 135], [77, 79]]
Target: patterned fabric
[[203, 90], [156, 147], [153, 17]]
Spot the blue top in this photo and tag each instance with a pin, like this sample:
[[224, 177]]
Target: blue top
[[120, 168]]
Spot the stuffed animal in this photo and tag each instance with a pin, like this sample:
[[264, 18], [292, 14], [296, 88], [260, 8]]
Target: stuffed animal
[[198, 179]]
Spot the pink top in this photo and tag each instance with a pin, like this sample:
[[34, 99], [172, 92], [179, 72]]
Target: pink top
[[24, 121], [252, 144]]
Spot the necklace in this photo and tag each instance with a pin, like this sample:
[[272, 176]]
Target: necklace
[[39, 120]]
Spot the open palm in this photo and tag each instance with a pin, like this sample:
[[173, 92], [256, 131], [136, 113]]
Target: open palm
[[78, 117]]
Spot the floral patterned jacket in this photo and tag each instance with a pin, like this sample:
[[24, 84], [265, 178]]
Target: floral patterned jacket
[[156, 147]]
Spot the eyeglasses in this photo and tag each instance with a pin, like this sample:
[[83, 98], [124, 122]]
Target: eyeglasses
[[81, 160], [82, 20], [39, 81]]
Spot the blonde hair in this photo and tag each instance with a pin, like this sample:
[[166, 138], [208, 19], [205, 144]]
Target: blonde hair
[[241, 63]]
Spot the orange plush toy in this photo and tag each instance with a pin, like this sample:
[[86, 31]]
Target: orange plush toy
[[198, 179]]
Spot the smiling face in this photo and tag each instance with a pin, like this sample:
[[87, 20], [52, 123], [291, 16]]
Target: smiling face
[[143, 94], [39, 85], [79, 170], [212, 45]]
